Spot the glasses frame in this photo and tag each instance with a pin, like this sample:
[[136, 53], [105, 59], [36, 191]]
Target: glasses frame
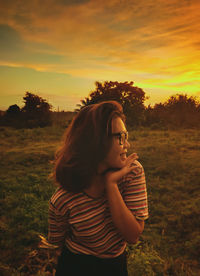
[[119, 135]]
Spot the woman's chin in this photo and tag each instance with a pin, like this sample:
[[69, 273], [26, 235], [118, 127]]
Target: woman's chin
[[121, 164]]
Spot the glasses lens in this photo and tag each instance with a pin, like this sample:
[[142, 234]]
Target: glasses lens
[[123, 138]]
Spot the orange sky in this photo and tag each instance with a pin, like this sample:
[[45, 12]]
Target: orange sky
[[57, 49]]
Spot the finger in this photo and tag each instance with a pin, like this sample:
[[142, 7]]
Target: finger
[[122, 172], [132, 156]]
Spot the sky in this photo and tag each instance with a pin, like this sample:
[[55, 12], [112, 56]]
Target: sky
[[58, 49]]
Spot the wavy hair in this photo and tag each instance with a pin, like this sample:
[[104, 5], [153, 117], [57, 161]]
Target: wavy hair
[[86, 143]]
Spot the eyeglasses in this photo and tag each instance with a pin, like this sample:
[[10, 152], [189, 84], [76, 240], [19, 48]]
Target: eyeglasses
[[123, 136]]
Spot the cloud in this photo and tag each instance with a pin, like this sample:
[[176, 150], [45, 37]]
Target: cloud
[[72, 2], [14, 49], [98, 26], [9, 38], [152, 42], [59, 89]]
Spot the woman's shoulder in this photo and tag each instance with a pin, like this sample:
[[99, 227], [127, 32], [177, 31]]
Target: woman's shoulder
[[58, 194], [137, 167], [137, 171]]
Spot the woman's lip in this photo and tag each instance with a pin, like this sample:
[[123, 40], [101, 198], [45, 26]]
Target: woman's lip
[[123, 156]]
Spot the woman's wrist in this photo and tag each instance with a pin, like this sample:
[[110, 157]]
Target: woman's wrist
[[110, 184]]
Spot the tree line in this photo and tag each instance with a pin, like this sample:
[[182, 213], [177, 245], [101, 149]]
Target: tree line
[[179, 111], [36, 112]]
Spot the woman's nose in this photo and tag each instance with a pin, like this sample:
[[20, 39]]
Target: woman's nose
[[126, 144]]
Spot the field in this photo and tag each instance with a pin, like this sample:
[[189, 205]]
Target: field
[[170, 244]]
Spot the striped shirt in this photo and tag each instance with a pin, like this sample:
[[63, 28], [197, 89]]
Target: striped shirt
[[85, 224]]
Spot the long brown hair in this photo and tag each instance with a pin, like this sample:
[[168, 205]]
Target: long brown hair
[[86, 143]]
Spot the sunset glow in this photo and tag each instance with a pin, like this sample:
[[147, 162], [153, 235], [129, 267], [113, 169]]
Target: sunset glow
[[57, 49]]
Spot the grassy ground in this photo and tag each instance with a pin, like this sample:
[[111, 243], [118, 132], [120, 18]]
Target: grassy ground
[[170, 244], [171, 161]]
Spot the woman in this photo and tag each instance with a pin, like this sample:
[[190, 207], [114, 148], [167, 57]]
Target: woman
[[101, 202]]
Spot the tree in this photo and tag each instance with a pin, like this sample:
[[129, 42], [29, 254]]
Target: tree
[[131, 98], [182, 111], [155, 116], [178, 111], [36, 111], [13, 110], [12, 116]]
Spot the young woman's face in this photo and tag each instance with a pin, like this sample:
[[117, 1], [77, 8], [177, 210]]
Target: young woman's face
[[116, 157]]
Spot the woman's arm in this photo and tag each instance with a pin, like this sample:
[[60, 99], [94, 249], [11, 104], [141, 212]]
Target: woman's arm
[[125, 221]]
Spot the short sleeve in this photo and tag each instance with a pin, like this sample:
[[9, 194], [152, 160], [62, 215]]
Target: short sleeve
[[57, 226], [135, 192]]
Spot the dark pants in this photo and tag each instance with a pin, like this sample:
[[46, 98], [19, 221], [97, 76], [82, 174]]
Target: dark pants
[[70, 264]]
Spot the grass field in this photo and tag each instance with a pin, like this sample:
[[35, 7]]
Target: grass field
[[170, 244]]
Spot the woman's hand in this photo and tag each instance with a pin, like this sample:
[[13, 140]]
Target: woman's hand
[[122, 217], [112, 177]]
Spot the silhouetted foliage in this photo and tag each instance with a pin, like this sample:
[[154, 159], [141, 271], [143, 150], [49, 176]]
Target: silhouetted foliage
[[131, 97], [36, 111], [182, 111], [177, 112], [13, 110], [12, 116], [154, 116]]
